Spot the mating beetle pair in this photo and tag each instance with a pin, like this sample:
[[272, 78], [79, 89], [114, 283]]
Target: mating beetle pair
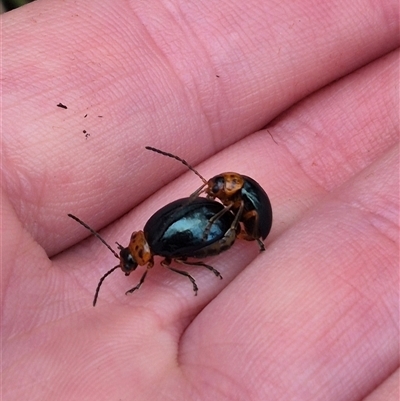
[[196, 227], [240, 194]]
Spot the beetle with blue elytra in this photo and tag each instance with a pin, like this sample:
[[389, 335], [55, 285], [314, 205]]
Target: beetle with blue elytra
[[175, 232]]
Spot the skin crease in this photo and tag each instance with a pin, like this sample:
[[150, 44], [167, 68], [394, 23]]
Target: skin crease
[[305, 102]]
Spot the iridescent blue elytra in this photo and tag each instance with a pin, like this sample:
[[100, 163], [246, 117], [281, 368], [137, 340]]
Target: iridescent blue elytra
[[177, 229]]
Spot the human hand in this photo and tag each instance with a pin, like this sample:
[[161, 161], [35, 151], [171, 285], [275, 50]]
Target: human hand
[[313, 317]]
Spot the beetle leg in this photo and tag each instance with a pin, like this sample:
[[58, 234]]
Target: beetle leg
[[166, 262], [215, 271], [234, 226], [194, 195], [251, 217], [238, 215], [198, 191], [260, 244], [139, 285], [214, 219]]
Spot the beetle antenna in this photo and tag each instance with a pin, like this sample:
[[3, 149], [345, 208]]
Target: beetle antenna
[[184, 162], [96, 295], [96, 234]]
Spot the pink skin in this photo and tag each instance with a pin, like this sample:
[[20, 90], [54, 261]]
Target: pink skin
[[315, 317]]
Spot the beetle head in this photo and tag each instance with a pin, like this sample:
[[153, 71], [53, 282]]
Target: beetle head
[[127, 263], [225, 186]]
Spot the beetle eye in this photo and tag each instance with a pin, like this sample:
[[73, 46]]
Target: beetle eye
[[128, 264], [219, 184]]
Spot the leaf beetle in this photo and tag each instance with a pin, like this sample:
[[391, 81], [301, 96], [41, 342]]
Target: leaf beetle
[[175, 232], [238, 193]]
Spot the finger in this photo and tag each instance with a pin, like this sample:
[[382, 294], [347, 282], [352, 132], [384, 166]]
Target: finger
[[327, 139], [295, 179], [151, 90], [386, 391], [343, 128], [17, 245], [319, 310]]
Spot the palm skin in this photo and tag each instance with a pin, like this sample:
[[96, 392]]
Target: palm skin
[[240, 87]]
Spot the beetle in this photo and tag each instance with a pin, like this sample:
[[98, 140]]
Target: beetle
[[175, 232], [238, 193]]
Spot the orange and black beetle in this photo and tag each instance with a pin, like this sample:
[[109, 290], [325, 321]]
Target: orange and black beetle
[[175, 232], [240, 194]]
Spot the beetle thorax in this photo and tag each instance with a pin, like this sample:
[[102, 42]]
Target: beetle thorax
[[140, 248]]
